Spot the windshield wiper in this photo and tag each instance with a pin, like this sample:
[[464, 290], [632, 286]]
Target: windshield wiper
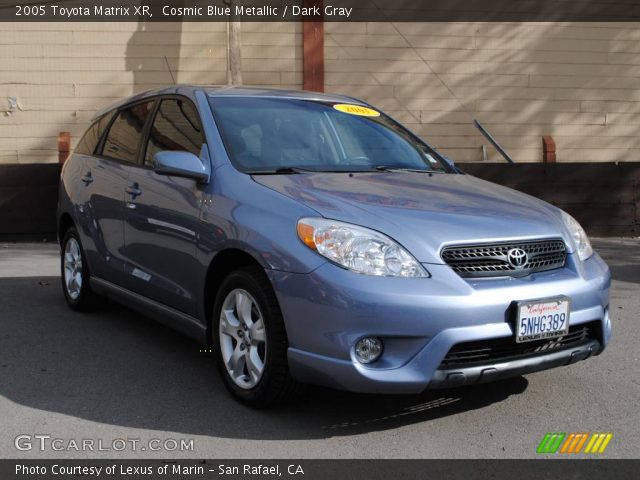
[[293, 170], [280, 171], [384, 168], [378, 168]]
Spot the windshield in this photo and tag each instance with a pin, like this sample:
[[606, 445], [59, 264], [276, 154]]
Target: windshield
[[267, 135]]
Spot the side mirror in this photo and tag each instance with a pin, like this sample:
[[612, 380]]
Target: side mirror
[[179, 164]]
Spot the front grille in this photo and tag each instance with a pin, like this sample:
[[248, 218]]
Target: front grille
[[493, 260], [505, 349]]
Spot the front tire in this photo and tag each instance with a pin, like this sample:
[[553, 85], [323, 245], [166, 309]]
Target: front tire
[[250, 339], [75, 273]]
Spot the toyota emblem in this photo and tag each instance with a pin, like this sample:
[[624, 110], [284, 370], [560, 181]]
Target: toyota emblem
[[517, 258]]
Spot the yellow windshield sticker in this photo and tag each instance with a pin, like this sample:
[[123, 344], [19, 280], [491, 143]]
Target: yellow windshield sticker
[[356, 110]]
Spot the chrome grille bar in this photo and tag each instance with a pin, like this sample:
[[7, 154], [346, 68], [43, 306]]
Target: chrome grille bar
[[493, 260]]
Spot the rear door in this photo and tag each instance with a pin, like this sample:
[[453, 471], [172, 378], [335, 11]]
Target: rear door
[[84, 189], [163, 213], [105, 175]]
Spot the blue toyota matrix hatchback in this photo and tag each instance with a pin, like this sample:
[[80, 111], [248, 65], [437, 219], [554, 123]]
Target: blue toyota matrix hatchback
[[310, 238]]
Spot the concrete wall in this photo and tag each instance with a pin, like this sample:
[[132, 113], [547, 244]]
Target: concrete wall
[[579, 83], [62, 73]]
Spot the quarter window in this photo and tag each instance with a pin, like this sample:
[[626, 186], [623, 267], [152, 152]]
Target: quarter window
[[123, 140], [89, 141], [175, 127]]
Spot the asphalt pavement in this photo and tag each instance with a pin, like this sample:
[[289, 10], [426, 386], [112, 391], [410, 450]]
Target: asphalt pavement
[[116, 378]]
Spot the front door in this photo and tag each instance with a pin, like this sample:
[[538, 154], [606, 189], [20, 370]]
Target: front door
[[162, 214]]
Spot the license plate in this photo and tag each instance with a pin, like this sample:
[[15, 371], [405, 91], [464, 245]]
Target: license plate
[[540, 319]]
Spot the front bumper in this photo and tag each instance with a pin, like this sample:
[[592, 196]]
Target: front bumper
[[458, 377], [420, 319]]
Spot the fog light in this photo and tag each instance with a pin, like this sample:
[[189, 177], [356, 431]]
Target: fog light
[[368, 349]]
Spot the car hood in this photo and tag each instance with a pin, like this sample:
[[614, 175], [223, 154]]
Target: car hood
[[424, 212]]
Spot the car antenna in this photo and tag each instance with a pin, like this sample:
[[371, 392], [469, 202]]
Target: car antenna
[[169, 68]]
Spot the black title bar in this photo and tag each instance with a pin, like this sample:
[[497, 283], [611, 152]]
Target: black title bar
[[320, 469], [313, 10]]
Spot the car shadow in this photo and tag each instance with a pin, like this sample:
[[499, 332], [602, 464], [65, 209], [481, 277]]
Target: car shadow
[[117, 367]]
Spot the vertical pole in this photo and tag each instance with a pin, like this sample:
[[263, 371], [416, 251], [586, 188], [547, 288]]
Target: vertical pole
[[234, 48], [548, 149], [64, 146], [235, 55], [313, 49]]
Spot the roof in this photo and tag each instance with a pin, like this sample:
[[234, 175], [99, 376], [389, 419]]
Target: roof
[[229, 91], [275, 92]]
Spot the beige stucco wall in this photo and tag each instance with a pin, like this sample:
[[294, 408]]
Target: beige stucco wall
[[577, 82], [62, 73]]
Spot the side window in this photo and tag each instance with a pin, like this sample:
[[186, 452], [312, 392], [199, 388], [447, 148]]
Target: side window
[[123, 139], [175, 127], [89, 141]]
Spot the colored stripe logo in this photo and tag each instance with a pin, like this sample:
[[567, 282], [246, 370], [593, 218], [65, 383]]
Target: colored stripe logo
[[598, 443], [550, 443], [573, 443]]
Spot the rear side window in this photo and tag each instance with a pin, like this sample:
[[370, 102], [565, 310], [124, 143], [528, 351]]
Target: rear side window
[[175, 127], [123, 139], [91, 138]]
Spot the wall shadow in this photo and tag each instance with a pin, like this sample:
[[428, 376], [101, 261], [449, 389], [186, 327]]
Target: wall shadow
[[153, 54], [117, 367]]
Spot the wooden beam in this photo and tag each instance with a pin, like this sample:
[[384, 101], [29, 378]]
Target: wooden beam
[[548, 149], [64, 146], [313, 50], [234, 51]]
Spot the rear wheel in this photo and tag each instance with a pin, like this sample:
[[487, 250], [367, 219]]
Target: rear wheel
[[75, 273], [249, 333]]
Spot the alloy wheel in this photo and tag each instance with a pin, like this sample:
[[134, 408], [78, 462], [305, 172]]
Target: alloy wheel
[[243, 339], [73, 268]]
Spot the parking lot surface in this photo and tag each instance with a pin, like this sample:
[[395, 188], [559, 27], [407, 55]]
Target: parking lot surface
[[116, 375]]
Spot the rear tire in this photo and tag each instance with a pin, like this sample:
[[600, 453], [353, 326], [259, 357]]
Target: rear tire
[[250, 339], [74, 272]]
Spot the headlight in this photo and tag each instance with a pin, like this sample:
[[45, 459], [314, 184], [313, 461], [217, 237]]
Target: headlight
[[579, 236], [358, 248]]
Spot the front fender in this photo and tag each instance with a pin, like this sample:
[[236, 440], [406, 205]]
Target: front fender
[[240, 213]]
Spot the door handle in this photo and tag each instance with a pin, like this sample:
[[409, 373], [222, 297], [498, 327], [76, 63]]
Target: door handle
[[134, 190], [87, 178]]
